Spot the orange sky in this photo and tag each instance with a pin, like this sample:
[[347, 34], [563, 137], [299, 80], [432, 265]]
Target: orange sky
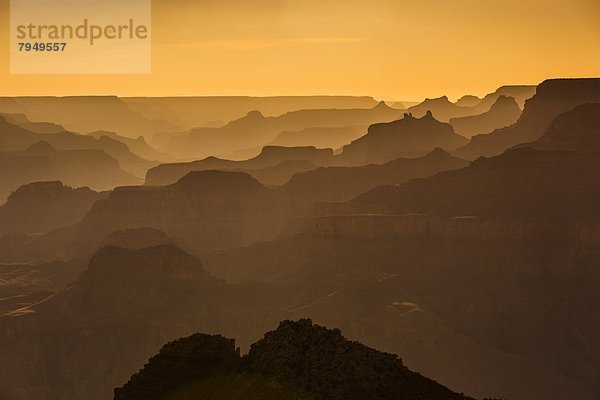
[[391, 49]]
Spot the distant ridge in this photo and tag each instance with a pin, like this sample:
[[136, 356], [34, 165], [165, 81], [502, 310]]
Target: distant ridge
[[552, 98], [504, 112], [406, 137], [441, 108], [270, 156]]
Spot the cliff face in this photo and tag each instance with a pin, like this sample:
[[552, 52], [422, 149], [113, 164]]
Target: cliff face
[[452, 307], [335, 184], [270, 157], [521, 93], [575, 130], [414, 282], [408, 137], [203, 210], [524, 183], [504, 112], [45, 206], [319, 362], [552, 98], [207, 209]]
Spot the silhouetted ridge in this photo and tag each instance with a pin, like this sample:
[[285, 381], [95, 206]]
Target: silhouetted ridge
[[575, 130], [437, 154], [441, 108], [206, 208], [468, 101], [248, 134], [525, 183], [179, 362], [120, 281], [344, 183], [503, 101], [49, 186], [218, 180], [442, 99], [324, 363], [504, 112], [254, 115], [520, 93], [407, 137], [318, 361], [44, 206], [382, 105], [582, 121], [40, 147], [270, 157], [553, 97]]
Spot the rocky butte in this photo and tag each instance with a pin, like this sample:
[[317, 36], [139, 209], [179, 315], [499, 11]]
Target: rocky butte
[[298, 360], [552, 98]]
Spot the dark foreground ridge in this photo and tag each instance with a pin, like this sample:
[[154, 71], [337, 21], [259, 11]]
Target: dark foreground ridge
[[299, 360]]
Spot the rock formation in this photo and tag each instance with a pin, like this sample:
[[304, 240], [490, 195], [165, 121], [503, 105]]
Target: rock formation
[[523, 184], [301, 360], [552, 98], [442, 109], [269, 158], [335, 184], [468, 101], [91, 113], [17, 170], [206, 209], [504, 112], [77, 168], [138, 146], [521, 93], [255, 129], [115, 315], [407, 137], [574, 130], [45, 206], [14, 138], [182, 362], [38, 127]]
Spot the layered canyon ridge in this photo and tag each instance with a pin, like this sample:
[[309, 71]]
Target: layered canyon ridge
[[300, 200]]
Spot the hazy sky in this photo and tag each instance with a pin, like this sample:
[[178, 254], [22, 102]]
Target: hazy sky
[[385, 48]]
